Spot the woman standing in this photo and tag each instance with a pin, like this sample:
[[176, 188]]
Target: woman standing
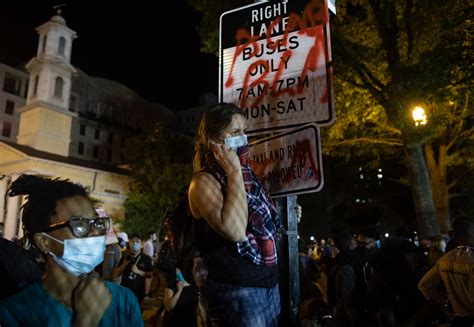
[[239, 245]]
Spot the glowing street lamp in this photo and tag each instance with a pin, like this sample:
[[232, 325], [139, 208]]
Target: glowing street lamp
[[419, 116]]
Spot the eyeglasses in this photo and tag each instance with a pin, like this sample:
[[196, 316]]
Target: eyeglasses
[[81, 227]]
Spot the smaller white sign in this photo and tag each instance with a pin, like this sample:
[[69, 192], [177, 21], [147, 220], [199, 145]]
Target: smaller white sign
[[290, 162]]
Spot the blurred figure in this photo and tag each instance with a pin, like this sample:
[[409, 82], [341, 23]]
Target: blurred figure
[[364, 254], [180, 300], [392, 290], [436, 250], [149, 250], [342, 285], [134, 268], [324, 249], [455, 270], [113, 254], [200, 273], [122, 238]]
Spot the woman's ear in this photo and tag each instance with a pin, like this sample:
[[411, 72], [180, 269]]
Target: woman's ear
[[42, 242]]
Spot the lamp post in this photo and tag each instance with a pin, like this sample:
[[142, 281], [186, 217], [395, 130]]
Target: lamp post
[[420, 180], [419, 116]]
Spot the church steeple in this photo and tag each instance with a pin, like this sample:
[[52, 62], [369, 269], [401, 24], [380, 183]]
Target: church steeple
[[51, 69], [45, 122]]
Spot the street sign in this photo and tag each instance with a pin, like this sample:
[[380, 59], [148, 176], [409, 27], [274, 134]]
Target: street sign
[[290, 162], [275, 64]]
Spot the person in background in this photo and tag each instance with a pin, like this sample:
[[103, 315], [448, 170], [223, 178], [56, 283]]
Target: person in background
[[60, 222], [364, 254], [325, 249], [134, 268], [436, 250], [180, 300], [343, 293], [314, 253], [240, 245], [392, 294], [455, 270], [149, 250], [122, 240], [113, 254]]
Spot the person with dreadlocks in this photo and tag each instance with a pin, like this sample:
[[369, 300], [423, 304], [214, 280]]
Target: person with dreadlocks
[[240, 246], [60, 221]]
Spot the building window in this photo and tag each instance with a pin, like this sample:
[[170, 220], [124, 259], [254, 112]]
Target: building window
[[45, 38], [62, 46], [95, 151], [35, 85], [58, 87], [82, 130], [122, 141], [109, 155], [11, 84], [110, 138], [80, 148], [9, 107], [72, 104], [7, 129], [97, 134], [25, 92]]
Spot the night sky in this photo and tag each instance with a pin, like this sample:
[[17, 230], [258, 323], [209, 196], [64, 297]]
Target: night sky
[[129, 42]]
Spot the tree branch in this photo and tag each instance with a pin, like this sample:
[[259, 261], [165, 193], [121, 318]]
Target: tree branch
[[457, 129], [387, 26], [372, 78], [408, 26], [372, 89], [459, 136], [388, 128], [451, 185], [369, 140], [353, 82]]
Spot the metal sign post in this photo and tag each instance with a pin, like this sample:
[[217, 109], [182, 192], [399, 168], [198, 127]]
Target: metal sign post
[[289, 263]]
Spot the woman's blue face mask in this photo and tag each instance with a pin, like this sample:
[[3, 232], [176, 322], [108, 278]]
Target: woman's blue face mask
[[235, 142]]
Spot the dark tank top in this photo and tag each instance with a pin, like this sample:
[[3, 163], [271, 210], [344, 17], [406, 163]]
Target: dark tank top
[[227, 266]]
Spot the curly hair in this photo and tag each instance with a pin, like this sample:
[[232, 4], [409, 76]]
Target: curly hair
[[213, 123], [43, 195]]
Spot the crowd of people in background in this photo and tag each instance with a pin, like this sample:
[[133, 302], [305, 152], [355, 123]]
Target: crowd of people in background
[[363, 280]]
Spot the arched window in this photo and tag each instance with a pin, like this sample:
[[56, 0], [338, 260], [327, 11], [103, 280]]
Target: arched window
[[58, 87], [35, 85], [44, 43], [62, 45]]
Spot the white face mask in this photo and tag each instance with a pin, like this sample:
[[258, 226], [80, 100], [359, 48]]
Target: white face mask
[[136, 246], [80, 255], [235, 142]]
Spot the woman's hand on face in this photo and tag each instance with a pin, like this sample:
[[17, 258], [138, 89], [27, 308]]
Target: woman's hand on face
[[227, 158], [91, 299]]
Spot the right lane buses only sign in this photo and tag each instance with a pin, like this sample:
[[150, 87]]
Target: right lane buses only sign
[[275, 64]]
